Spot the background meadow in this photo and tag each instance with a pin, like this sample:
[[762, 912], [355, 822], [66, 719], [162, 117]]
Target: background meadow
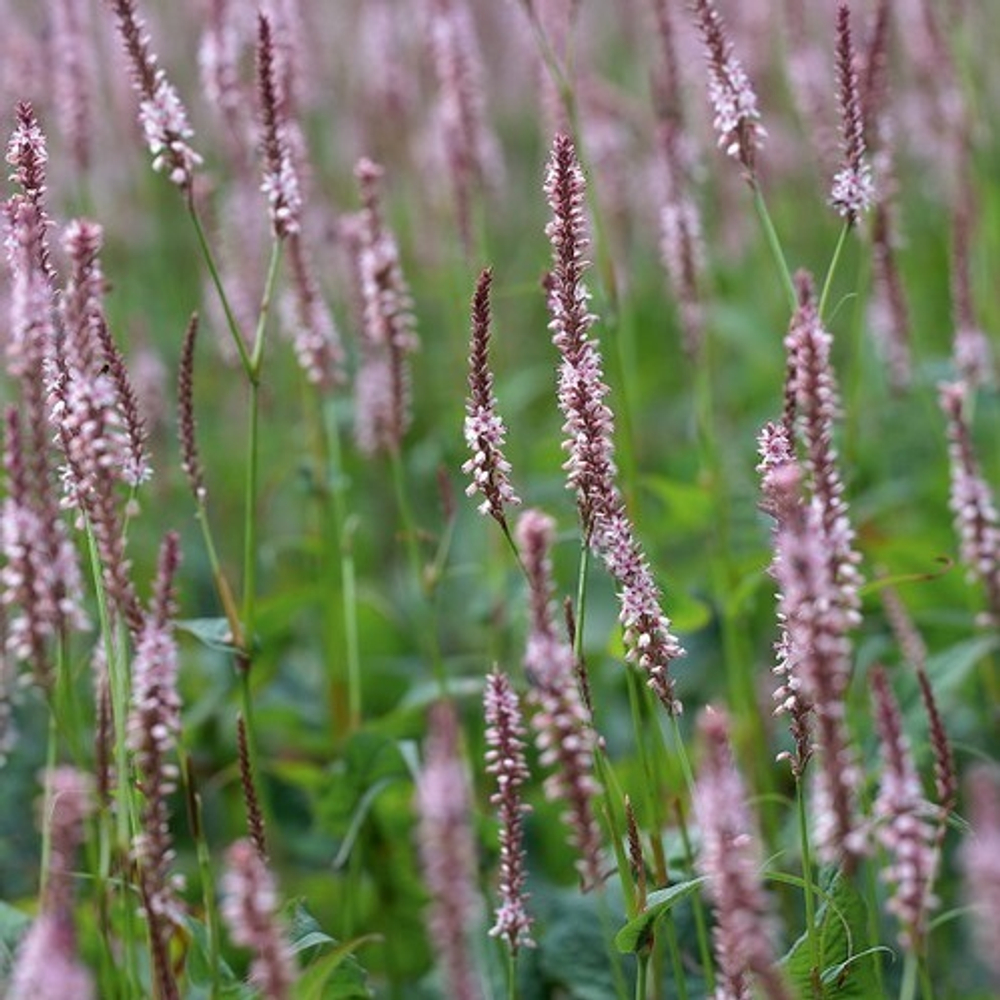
[[372, 592]]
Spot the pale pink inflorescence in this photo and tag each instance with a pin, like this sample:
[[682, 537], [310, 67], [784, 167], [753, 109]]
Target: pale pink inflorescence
[[448, 851], [906, 824], [484, 428], [315, 336], [781, 489], [589, 430], [388, 326], [249, 909], [733, 100], [46, 966], [853, 191], [73, 76], [470, 149], [40, 575], [506, 762], [565, 738], [812, 385], [153, 728], [731, 860], [972, 501], [281, 182], [981, 862], [815, 565], [162, 114]]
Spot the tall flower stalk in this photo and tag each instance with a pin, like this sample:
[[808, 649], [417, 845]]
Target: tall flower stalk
[[565, 739], [589, 429], [447, 851], [484, 427]]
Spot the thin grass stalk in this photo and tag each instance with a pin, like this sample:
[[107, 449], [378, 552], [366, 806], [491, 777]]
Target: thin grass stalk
[[831, 270], [336, 487], [774, 245], [209, 258], [807, 890], [739, 682], [206, 874], [428, 629], [701, 924], [641, 975], [908, 986], [253, 461], [118, 847], [608, 933]]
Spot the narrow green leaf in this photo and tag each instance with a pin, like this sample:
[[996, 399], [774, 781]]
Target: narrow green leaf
[[634, 936], [211, 632], [847, 962]]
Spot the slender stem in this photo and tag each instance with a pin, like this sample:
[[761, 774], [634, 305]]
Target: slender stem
[[206, 251], [911, 964], [428, 630], [511, 975], [621, 987], [807, 890], [832, 269], [774, 244], [642, 971], [253, 460], [349, 599], [207, 876], [581, 601], [701, 924], [222, 587]]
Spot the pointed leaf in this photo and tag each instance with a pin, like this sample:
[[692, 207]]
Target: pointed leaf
[[635, 935]]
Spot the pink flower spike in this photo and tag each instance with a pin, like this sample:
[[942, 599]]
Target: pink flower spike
[[162, 115], [853, 188], [281, 182], [249, 908], [564, 736], [448, 851], [505, 760], [730, 859], [977, 521], [484, 427], [733, 100], [981, 862], [906, 824]]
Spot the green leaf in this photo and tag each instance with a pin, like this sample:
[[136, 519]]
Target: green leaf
[[847, 963], [13, 926], [337, 975], [636, 934], [211, 632], [199, 966], [302, 928]]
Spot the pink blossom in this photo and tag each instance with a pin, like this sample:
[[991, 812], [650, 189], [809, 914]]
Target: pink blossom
[[505, 760], [484, 427], [249, 907], [447, 851], [906, 823], [731, 860]]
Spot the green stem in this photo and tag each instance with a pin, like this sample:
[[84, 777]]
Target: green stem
[[253, 460], [832, 269], [349, 598], [701, 924], [641, 976], [774, 244], [511, 975], [206, 252], [807, 891], [207, 876], [911, 967], [428, 628]]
